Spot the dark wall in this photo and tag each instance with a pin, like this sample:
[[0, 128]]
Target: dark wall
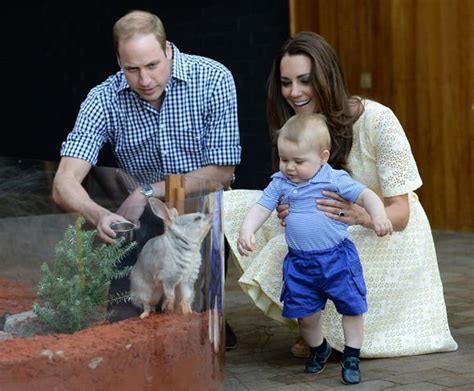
[[56, 51]]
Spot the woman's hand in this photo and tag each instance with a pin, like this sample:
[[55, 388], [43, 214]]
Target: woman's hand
[[282, 212], [338, 208]]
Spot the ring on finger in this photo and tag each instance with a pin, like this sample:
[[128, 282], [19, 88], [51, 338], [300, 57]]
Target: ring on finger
[[341, 213]]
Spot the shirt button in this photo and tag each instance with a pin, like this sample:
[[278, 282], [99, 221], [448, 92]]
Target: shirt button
[[295, 191]]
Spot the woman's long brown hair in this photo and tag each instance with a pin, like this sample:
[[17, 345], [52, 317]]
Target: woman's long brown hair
[[328, 81]]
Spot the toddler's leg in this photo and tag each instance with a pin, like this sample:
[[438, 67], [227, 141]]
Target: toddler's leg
[[319, 349], [311, 330], [353, 327], [353, 333]]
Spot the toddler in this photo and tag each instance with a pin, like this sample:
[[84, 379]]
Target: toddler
[[322, 263]]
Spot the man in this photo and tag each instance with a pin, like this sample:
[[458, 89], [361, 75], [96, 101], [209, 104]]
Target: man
[[164, 112]]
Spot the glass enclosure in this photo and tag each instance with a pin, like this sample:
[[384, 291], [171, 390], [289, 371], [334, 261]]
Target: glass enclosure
[[172, 347]]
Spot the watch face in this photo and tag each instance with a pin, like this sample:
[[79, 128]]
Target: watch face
[[147, 190]]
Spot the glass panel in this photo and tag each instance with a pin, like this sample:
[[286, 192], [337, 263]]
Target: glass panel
[[32, 226]]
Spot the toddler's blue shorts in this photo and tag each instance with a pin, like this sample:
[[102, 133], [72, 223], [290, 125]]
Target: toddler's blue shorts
[[310, 278]]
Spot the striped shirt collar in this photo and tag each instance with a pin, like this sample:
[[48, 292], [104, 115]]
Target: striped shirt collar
[[322, 175]]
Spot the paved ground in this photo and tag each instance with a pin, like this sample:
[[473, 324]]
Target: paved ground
[[262, 361]]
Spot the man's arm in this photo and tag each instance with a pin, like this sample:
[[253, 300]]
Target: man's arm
[[132, 208], [214, 173], [69, 193], [71, 196], [221, 174]]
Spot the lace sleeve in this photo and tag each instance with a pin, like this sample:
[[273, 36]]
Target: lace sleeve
[[396, 166]]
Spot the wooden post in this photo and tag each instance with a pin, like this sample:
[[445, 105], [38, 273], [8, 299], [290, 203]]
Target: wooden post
[[174, 192]]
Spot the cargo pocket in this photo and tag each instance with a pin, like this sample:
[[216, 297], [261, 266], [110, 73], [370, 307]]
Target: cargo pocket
[[358, 276]]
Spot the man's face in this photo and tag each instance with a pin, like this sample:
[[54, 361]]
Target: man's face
[[146, 66]]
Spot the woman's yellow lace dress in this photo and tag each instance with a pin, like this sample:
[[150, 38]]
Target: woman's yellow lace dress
[[407, 312]]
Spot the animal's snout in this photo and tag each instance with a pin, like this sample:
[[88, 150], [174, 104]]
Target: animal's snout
[[202, 217]]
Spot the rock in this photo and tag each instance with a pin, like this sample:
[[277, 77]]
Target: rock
[[3, 319], [25, 324], [4, 336]]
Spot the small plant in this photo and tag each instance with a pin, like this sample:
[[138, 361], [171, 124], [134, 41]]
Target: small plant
[[75, 293]]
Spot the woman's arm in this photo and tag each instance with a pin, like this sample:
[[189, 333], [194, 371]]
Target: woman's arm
[[396, 207], [398, 211]]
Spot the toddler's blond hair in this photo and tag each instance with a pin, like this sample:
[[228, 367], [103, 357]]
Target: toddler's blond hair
[[307, 129]]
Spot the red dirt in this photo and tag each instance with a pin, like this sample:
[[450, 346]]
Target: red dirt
[[14, 298], [162, 352]]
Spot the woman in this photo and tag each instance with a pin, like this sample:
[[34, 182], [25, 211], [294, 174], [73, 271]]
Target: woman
[[407, 313]]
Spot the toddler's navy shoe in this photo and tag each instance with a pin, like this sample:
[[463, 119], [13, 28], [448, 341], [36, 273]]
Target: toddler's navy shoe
[[316, 361], [350, 372]]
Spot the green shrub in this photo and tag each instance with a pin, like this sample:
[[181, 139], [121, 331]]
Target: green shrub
[[75, 293]]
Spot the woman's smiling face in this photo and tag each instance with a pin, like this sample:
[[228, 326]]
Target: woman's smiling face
[[296, 87]]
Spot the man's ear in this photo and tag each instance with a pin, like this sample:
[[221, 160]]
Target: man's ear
[[324, 155], [168, 50]]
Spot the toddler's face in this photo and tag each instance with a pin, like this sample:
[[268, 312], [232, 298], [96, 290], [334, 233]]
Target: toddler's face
[[298, 162]]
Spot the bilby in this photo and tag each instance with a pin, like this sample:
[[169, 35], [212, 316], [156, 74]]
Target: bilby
[[168, 265]]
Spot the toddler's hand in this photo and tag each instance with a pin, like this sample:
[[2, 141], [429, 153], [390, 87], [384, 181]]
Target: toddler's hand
[[246, 244], [382, 226]]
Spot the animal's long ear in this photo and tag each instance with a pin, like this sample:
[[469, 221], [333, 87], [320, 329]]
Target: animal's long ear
[[173, 213], [160, 209]]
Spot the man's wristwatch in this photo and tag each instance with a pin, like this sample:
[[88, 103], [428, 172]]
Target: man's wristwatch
[[147, 190]]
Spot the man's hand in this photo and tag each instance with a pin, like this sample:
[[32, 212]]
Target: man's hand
[[131, 210], [104, 232], [133, 206]]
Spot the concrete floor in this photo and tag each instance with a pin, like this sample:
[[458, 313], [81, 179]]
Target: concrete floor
[[262, 360]]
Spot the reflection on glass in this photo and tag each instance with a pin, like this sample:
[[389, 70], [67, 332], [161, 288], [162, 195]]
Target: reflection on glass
[[31, 226]]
